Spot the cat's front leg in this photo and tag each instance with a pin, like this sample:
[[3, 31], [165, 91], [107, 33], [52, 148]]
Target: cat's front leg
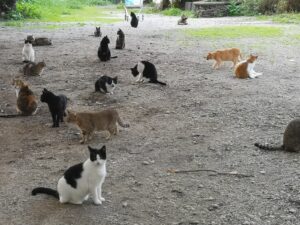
[[96, 199], [100, 193], [140, 79]]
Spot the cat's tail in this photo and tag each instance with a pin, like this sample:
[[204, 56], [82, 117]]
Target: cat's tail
[[157, 82], [48, 191], [120, 122], [10, 115], [113, 57], [270, 148]]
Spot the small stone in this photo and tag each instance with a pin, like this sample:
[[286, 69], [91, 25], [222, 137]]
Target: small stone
[[124, 204], [292, 210], [145, 163], [262, 172], [213, 207]]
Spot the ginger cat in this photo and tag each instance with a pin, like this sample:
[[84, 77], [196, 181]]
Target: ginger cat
[[88, 122], [26, 101], [245, 69], [230, 54], [34, 69]]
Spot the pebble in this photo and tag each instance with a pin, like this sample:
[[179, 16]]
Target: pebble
[[262, 172], [292, 210], [124, 204], [145, 163], [213, 207]]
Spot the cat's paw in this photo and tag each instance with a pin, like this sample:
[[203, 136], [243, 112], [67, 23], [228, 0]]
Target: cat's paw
[[97, 202], [102, 199]]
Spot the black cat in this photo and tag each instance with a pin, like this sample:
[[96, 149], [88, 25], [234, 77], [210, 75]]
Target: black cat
[[146, 69], [120, 43], [101, 83], [103, 50], [57, 106], [97, 32], [134, 20]]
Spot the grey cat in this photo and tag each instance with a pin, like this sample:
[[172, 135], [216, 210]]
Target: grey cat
[[40, 41], [120, 43], [291, 140]]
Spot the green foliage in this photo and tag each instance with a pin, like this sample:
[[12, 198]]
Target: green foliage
[[234, 8], [236, 32], [283, 18]]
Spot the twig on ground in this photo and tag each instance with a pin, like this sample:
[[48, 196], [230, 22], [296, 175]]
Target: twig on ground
[[232, 173]]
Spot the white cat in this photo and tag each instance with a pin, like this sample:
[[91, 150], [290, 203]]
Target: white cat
[[28, 52], [81, 180]]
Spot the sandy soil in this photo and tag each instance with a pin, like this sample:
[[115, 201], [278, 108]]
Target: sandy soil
[[203, 119]]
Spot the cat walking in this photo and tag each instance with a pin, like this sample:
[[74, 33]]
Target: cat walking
[[89, 122], [57, 106], [230, 54], [81, 180]]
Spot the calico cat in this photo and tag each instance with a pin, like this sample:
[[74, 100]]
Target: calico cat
[[34, 69], [102, 82], [28, 52], [245, 69], [97, 32], [26, 101], [291, 140], [182, 20], [230, 54], [57, 106], [40, 41], [103, 50], [147, 70], [134, 20], [120, 43], [81, 180], [88, 122]]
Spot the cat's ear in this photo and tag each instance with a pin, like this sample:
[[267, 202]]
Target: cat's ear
[[91, 149], [115, 78], [103, 148]]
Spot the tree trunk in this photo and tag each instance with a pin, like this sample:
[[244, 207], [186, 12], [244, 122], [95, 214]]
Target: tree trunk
[[7, 5]]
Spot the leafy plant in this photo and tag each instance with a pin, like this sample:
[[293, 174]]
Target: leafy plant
[[234, 8]]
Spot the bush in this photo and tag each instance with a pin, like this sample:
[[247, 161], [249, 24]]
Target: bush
[[234, 8]]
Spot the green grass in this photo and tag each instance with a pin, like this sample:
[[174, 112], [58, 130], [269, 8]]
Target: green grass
[[236, 32], [293, 18], [169, 12]]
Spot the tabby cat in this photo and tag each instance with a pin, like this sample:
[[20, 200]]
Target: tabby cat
[[34, 69], [182, 20], [89, 122], [291, 140], [120, 43], [40, 41]]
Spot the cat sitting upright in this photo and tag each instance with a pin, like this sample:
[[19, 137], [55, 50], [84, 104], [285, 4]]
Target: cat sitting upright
[[103, 81], [26, 101], [147, 70], [182, 20], [245, 69], [120, 43], [89, 122], [97, 32], [34, 69], [230, 54], [57, 106], [291, 140], [28, 52], [104, 51], [134, 20], [81, 180]]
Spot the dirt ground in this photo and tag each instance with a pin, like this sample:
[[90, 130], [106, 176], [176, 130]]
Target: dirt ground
[[203, 119]]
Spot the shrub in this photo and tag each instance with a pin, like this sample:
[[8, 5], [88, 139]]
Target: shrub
[[234, 8]]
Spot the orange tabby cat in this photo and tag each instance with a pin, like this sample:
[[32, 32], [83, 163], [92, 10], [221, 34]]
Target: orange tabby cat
[[230, 54], [26, 101], [245, 69], [88, 122]]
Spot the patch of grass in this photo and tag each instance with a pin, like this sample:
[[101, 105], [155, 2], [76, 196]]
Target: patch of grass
[[283, 18], [169, 12], [236, 32]]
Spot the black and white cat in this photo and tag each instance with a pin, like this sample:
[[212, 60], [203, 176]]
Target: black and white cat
[[81, 180], [27, 52], [120, 43], [134, 20], [104, 82], [104, 51], [145, 69], [57, 105]]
